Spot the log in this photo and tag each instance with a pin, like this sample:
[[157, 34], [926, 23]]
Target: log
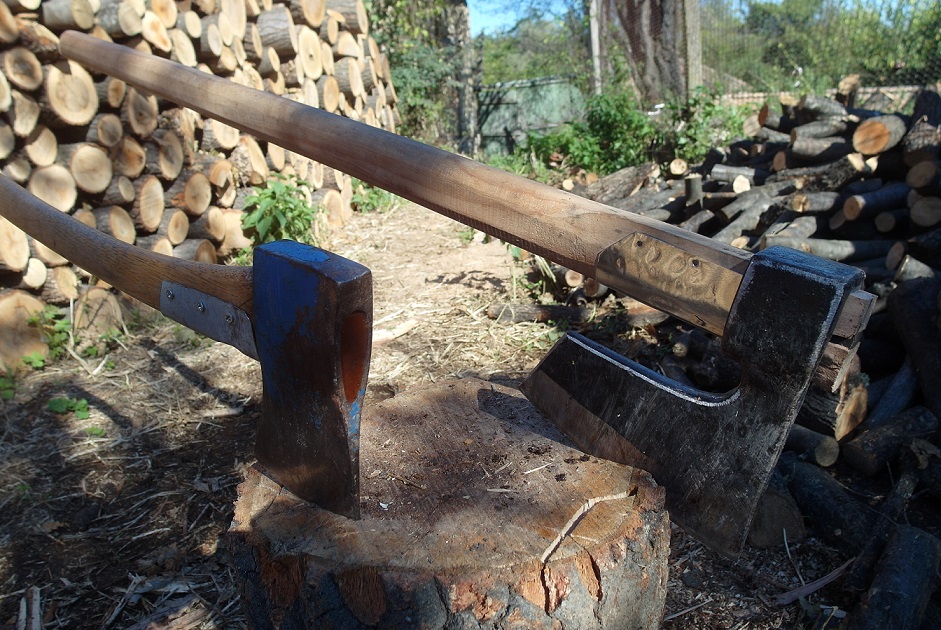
[[41, 147], [819, 150], [155, 243], [249, 162], [147, 209], [835, 515], [838, 250], [874, 449], [61, 15], [120, 18], [39, 39], [8, 30], [580, 542], [29, 279], [48, 256], [824, 128], [166, 10], [234, 239], [174, 225], [61, 287], [309, 53], [164, 155], [235, 11], [23, 114], [835, 414], [913, 306], [865, 205], [925, 177], [128, 157], [22, 68], [815, 107], [182, 49], [923, 140], [209, 45], [18, 338], [925, 247], [776, 516], [354, 15], [331, 203], [879, 134], [822, 450], [926, 212], [18, 169], [69, 96], [119, 192], [329, 92], [111, 92], [116, 222], [218, 136], [189, 22], [55, 185], [346, 46], [829, 177], [516, 313], [310, 13], [89, 165], [210, 225], [348, 77], [198, 250], [139, 112], [191, 192], [276, 29], [6, 94], [14, 248], [105, 129], [816, 202], [903, 582]]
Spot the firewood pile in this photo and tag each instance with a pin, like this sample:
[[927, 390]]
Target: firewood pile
[[145, 170], [862, 187]]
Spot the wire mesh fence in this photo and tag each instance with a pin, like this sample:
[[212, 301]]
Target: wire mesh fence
[[751, 48]]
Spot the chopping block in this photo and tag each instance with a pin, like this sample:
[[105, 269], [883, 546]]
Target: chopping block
[[476, 512]]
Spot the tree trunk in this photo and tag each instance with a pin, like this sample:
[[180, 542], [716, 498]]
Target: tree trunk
[[579, 541]]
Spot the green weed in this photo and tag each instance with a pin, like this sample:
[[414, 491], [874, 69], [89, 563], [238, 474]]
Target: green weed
[[77, 406]]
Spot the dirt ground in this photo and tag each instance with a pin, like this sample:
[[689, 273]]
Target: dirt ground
[[117, 520]]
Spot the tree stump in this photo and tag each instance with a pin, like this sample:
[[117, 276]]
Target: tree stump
[[476, 514]]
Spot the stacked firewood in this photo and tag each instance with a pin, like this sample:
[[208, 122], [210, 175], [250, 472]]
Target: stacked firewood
[[860, 186], [145, 170]]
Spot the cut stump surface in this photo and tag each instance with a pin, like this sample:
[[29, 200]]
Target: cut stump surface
[[476, 514]]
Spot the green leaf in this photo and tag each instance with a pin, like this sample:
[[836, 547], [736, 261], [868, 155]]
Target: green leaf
[[58, 405]]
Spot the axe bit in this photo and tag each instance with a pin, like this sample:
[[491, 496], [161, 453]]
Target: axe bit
[[719, 288], [305, 314]]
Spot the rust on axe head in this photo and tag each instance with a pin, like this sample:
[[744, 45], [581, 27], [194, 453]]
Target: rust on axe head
[[714, 453], [313, 331]]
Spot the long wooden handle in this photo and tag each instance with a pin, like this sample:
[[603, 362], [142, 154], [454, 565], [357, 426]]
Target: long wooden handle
[[135, 271], [560, 226]]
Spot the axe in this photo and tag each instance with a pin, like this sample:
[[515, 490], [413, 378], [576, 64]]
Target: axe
[[305, 314], [776, 310]]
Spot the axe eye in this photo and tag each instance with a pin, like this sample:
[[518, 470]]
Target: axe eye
[[354, 353]]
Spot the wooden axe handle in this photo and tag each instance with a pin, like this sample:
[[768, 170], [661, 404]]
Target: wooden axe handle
[[135, 271], [560, 226]]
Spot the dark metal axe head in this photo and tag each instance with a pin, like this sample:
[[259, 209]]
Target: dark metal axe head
[[714, 453], [313, 332]]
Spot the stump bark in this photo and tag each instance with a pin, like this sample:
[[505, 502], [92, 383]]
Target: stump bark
[[476, 514]]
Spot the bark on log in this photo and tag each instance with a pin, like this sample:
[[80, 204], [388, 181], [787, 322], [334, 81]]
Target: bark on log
[[210, 225], [174, 225], [116, 222], [903, 582], [111, 92], [824, 128], [838, 413], [119, 18], [128, 157], [913, 306], [198, 250], [348, 77], [874, 449], [191, 191], [533, 571], [29, 279], [308, 12], [155, 243], [218, 136], [814, 107], [822, 450], [515, 313], [841, 251], [816, 202], [39, 39], [17, 337], [119, 192], [867, 205], [14, 248], [61, 286], [276, 29], [105, 129], [249, 161]]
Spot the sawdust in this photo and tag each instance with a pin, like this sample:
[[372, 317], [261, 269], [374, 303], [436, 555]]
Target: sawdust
[[117, 519]]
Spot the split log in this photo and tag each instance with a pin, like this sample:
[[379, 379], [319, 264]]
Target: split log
[[874, 449], [14, 248], [116, 222], [55, 185], [903, 582], [191, 191], [581, 540], [822, 450], [879, 133], [61, 286], [41, 147], [210, 225], [154, 32], [128, 157], [776, 516], [198, 250], [209, 45], [147, 209], [913, 306], [166, 10], [837, 413], [17, 337]]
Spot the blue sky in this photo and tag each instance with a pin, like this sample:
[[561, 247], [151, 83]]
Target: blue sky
[[492, 15]]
